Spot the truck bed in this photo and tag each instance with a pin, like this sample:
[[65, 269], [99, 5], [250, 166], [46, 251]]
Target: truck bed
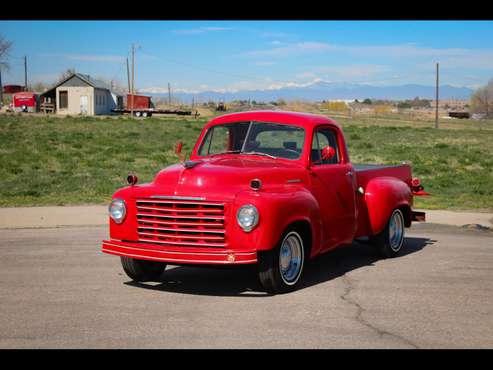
[[366, 172], [366, 166]]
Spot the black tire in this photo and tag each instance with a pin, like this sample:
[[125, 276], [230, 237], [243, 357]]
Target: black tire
[[269, 266], [384, 244], [142, 270]]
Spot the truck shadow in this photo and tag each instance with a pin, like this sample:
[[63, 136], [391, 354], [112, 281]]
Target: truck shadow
[[242, 281]]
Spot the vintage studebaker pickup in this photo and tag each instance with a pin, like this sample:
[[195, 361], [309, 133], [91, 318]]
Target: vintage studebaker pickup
[[273, 189]]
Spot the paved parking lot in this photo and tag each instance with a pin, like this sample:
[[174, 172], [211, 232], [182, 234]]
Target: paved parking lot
[[58, 291]]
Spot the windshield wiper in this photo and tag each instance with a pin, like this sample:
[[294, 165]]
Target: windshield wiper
[[260, 153]]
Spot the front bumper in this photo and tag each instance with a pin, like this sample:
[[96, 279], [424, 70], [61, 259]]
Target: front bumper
[[173, 255]]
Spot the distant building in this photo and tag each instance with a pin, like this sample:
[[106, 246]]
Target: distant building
[[79, 94], [451, 104]]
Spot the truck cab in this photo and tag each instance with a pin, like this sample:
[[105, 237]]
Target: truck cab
[[269, 188]]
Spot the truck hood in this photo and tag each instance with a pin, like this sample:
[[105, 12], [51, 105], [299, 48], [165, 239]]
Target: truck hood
[[221, 178]]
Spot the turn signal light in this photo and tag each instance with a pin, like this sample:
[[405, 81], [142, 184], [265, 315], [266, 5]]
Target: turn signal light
[[132, 179]]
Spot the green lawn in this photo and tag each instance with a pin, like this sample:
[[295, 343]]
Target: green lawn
[[82, 160]]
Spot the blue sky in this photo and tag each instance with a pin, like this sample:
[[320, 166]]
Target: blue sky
[[237, 55]]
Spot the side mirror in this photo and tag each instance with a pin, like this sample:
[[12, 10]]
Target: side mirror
[[328, 153], [178, 147]]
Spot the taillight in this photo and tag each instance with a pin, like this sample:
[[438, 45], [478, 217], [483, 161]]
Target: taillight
[[417, 188]]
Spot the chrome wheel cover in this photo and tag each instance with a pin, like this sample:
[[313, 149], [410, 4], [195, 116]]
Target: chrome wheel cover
[[396, 230], [291, 258]]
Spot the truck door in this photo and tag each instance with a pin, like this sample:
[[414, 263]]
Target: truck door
[[333, 184]]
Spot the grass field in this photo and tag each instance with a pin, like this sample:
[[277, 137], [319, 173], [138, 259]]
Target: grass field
[[82, 160]]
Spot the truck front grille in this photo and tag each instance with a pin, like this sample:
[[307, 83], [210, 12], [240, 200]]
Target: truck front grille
[[181, 223]]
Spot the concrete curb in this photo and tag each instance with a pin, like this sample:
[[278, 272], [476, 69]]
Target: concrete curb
[[458, 218], [49, 217], [52, 217]]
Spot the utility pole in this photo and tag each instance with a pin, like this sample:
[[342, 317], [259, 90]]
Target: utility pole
[[25, 73], [128, 78], [133, 87], [169, 94], [436, 101]]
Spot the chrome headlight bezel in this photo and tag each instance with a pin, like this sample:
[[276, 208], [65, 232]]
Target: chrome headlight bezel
[[117, 210], [254, 217]]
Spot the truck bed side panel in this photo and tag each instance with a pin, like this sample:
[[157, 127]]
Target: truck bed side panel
[[385, 187]]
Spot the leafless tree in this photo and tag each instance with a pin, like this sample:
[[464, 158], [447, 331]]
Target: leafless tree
[[114, 85], [68, 72], [5, 47], [482, 100], [39, 87]]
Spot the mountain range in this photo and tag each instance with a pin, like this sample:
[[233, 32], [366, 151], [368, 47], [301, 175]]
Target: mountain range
[[320, 90]]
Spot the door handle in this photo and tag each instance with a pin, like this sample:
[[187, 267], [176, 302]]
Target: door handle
[[349, 173]]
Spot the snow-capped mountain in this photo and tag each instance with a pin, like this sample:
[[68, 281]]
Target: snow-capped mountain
[[321, 90]]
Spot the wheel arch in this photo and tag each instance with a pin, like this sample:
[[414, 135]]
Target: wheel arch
[[407, 213], [297, 209], [304, 228], [382, 196]]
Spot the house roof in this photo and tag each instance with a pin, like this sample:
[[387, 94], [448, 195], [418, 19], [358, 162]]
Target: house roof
[[98, 84], [91, 81]]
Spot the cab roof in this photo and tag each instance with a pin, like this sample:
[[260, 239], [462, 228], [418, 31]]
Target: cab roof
[[306, 120]]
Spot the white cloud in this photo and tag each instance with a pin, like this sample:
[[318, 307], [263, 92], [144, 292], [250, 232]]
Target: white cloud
[[96, 58], [351, 71], [85, 58], [291, 49], [200, 30], [452, 57]]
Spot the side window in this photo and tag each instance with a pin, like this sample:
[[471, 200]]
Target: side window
[[321, 139], [216, 141]]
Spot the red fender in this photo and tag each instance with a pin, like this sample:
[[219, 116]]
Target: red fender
[[279, 209], [382, 196]]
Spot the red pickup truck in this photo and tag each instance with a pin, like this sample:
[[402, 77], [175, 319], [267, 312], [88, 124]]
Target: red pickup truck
[[268, 188]]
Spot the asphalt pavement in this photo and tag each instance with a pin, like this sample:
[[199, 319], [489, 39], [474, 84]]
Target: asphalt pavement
[[58, 291]]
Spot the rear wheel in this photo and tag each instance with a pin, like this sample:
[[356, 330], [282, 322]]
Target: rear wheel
[[137, 114], [142, 270], [389, 242], [280, 269], [144, 114]]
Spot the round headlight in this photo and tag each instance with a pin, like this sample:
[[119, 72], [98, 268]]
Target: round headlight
[[247, 217], [117, 210]]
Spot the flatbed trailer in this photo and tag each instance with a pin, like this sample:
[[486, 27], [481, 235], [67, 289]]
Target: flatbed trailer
[[148, 112]]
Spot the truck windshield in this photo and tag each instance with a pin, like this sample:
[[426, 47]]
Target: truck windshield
[[257, 138]]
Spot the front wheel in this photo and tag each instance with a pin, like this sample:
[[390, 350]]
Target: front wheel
[[280, 269], [142, 270], [389, 242]]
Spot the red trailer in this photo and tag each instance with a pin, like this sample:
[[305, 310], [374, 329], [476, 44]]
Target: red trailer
[[138, 102], [25, 102], [12, 89]]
